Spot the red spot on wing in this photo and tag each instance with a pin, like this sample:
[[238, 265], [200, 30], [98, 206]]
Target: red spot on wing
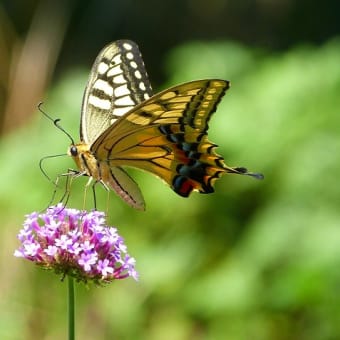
[[186, 188]]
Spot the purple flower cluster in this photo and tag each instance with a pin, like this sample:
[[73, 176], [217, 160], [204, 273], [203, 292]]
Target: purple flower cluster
[[75, 243]]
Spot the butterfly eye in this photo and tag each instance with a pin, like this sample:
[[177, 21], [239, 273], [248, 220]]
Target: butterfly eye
[[73, 151]]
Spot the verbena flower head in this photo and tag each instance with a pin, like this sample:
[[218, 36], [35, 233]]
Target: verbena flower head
[[76, 243]]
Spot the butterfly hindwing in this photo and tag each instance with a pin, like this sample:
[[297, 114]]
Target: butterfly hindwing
[[119, 180], [118, 82]]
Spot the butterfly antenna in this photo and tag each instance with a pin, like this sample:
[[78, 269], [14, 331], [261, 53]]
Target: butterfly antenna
[[42, 168], [55, 122]]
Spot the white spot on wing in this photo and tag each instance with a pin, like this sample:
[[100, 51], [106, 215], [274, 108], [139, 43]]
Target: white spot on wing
[[102, 67], [121, 91], [113, 71], [146, 96], [104, 86], [116, 59], [124, 101], [102, 104], [133, 64], [121, 110], [142, 86], [129, 55], [119, 79], [127, 46], [138, 75]]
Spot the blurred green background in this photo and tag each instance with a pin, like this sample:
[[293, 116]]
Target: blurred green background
[[255, 260]]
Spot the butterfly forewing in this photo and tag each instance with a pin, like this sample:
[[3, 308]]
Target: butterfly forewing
[[166, 135], [118, 82], [189, 106]]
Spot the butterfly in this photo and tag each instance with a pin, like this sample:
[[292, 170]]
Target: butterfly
[[123, 124]]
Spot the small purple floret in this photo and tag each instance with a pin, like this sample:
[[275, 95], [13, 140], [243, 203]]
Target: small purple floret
[[75, 243]]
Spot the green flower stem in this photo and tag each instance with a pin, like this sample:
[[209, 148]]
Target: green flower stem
[[70, 308]]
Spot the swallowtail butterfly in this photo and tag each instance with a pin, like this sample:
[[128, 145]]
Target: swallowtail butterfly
[[123, 124]]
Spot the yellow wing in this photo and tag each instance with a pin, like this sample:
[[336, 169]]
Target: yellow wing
[[167, 135]]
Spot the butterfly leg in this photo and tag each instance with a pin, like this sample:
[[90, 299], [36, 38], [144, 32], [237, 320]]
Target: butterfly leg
[[93, 186], [107, 189], [107, 202], [69, 176], [85, 192], [94, 192]]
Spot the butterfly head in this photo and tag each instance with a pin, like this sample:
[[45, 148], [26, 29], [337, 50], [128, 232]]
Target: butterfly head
[[83, 157], [73, 151]]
